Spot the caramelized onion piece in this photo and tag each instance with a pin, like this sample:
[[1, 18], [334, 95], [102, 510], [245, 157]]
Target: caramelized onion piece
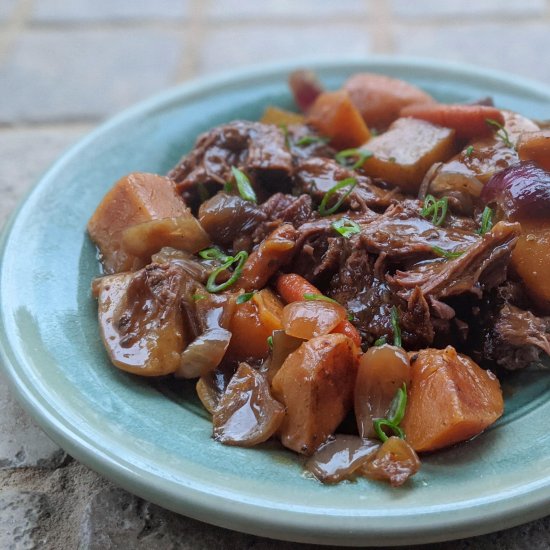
[[207, 394], [395, 462], [247, 414], [283, 346], [204, 354], [382, 371], [522, 191], [309, 319], [340, 457]]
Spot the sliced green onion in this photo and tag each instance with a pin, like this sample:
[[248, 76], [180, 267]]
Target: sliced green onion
[[239, 259], [501, 131], [380, 423], [469, 150], [213, 254], [446, 253], [351, 316], [398, 405], [270, 342], [358, 154], [326, 211], [346, 227], [380, 341], [243, 185], [228, 187], [309, 140], [198, 297], [321, 297], [486, 221], [436, 208], [395, 326], [286, 133], [242, 298]]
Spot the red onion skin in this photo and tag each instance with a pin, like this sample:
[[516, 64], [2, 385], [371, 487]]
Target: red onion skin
[[521, 191], [305, 88]]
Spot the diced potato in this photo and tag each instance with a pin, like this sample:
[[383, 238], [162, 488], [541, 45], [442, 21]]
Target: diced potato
[[450, 399], [281, 117], [334, 116], [315, 383], [134, 199], [530, 260], [516, 125], [535, 146], [403, 154], [141, 323]]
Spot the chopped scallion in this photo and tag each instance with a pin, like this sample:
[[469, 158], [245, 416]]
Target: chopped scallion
[[322, 297], [469, 150], [324, 209], [309, 140], [243, 185], [501, 131], [447, 254], [346, 227], [486, 221], [395, 326], [242, 298], [240, 260], [213, 254], [381, 423], [270, 342], [436, 208], [198, 297], [398, 405], [357, 156], [380, 341]]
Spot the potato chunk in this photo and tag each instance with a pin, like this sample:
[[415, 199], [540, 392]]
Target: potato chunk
[[450, 399], [404, 153], [140, 319], [315, 383], [134, 199], [535, 146]]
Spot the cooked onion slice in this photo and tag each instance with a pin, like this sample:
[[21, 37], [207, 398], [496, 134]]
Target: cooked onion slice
[[340, 457], [204, 354], [311, 319], [522, 191], [247, 414], [283, 346], [395, 462], [382, 371]]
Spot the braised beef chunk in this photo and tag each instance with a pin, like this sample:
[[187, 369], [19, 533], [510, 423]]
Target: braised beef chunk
[[258, 149]]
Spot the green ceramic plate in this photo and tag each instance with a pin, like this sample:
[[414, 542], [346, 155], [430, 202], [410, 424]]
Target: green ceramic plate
[[155, 440]]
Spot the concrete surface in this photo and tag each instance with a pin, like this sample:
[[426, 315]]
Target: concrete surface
[[65, 65]]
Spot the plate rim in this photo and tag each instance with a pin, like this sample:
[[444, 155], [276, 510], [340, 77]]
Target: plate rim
[[199, 505]]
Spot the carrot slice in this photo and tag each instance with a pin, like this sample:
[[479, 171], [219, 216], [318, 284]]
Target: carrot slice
[[468, 121], [292, 288]]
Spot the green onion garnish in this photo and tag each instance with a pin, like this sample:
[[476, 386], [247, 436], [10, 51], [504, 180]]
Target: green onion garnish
[[286, 133], [239, 259], [243, 185], [395, 326], [351, 316], [198, 297], [357, 154], [346, 227], [501, 131], [469, 150], [380, 423], [321, 297], [242, 298], [323, 209], [270, 342], [486, 221], [214, 254], [398, 405], [309, 140], [380, 341], [435, 208], [446, 253]]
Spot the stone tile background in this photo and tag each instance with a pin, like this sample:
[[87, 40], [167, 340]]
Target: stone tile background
[[65, 65]]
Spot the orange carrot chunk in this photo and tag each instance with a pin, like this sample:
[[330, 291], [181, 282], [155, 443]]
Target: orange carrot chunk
[[336, 117], [468, 121]]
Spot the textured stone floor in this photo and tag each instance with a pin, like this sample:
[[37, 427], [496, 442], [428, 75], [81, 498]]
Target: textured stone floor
[[65, 65]]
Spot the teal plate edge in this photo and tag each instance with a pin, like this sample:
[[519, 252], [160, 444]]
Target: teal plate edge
[[214, 500]]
